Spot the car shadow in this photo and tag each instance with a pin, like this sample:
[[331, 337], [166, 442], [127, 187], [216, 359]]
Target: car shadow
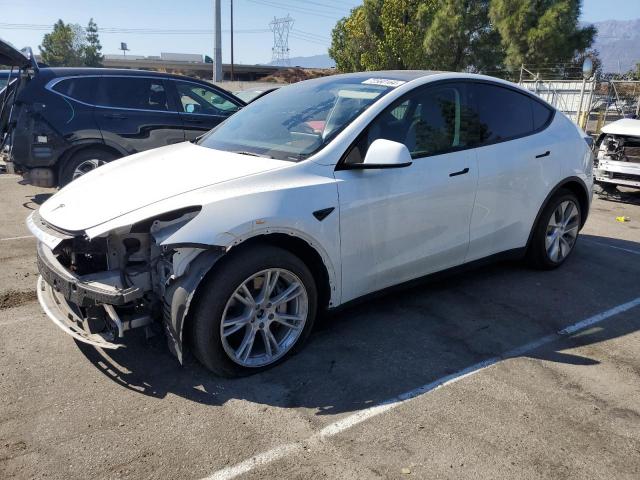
[[36, 200], [625, 195], [376, 350]]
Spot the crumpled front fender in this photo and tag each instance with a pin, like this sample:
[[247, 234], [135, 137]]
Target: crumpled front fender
[[179, 295]]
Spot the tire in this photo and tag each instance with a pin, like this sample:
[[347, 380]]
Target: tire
[[215, 302], [541, 253], [70, 169]]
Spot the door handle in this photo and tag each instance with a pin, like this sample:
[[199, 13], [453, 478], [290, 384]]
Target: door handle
[[461, 172], [545, 154], [117, 116]]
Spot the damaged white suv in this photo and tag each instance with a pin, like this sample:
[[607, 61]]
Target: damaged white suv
[[312, 196]]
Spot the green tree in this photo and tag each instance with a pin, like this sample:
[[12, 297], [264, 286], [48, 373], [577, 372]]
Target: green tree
[[344, 49], [382, 34], [92, 50], [460, 37], [63, 46], [416, 34], [402, 26], [540, 32]]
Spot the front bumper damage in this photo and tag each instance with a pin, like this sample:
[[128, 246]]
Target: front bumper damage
[[618, 173], [63, 294], [617, 159], [95, 296]]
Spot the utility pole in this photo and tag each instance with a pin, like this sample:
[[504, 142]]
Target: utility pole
[[232, 40], [217, 42]]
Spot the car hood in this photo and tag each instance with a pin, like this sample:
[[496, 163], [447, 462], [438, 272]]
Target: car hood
[[140, 180], [625, 126], [11, 56]]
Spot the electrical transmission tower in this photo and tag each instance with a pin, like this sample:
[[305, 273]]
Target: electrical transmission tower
[[280, 28]]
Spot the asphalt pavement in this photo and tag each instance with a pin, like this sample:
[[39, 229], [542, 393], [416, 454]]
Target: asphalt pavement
[[465, 377]]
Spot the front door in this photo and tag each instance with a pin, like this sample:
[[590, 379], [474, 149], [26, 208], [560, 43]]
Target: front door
[[201, 108], [136, 113], [400, 224]]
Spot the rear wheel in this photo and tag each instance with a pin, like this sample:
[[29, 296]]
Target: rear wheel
[[83, 162], [556, 232], [254, 311]]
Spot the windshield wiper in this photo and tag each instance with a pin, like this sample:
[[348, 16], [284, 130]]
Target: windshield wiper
[[252, 154]]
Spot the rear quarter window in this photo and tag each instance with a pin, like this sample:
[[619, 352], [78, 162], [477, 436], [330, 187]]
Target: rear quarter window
[[81, 89], [541, 115]]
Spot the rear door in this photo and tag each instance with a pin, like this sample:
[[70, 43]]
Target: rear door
[[137, 113], [202, 107], [519, 162]]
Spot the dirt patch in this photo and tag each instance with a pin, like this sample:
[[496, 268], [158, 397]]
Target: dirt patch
[[15, 298], [292, 75]]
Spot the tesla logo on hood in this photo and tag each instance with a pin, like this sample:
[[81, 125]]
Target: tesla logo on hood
[[59, 206]]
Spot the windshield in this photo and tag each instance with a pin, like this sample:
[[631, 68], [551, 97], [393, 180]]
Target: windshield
[[297, 121]]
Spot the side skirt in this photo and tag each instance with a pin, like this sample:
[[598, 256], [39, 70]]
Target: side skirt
[[509, 255]]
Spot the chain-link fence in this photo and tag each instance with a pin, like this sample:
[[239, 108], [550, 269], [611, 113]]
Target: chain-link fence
[[590, 103]]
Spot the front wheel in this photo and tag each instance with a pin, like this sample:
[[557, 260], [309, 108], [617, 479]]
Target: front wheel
[[556, 232], [254, 311]]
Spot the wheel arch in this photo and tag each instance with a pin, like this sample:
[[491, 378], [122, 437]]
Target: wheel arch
[[184, 294], [80, 147], [576, 186]]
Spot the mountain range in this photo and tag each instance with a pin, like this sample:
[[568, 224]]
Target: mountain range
[[618, 42]]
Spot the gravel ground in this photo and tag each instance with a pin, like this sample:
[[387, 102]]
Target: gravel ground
[[567, 409]]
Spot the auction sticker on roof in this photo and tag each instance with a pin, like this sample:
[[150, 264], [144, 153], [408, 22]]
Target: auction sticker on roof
[[385, 82]]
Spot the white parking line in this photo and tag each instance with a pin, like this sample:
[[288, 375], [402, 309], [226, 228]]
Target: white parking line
[[23, 237], [343, 424], [628, 250]]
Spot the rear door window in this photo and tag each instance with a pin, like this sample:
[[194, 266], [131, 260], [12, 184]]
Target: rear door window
[[503, 113], [133, 93], [82, 89]]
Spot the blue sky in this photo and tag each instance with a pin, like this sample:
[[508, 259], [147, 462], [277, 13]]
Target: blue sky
[[311, 32]]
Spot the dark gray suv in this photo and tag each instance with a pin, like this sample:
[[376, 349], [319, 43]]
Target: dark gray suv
[[59, 123]]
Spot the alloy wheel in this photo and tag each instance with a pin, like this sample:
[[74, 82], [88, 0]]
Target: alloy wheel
[[562, 231], [86, 167], [264, 317]]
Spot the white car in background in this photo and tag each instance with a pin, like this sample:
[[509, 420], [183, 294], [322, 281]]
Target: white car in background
[[322, 192], [618, 155]]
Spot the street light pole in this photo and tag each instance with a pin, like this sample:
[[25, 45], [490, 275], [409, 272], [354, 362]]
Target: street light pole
[[217, 43], [232, 40]]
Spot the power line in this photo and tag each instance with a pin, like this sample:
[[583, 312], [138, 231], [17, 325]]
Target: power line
[[133, 31], [293, 35], [311, 35], [304, 11], [333, 8]]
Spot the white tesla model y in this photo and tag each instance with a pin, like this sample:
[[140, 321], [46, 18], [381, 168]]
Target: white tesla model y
[[314, 195]]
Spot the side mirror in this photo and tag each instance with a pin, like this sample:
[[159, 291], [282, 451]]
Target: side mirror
[[383, 154], [190, 108]]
